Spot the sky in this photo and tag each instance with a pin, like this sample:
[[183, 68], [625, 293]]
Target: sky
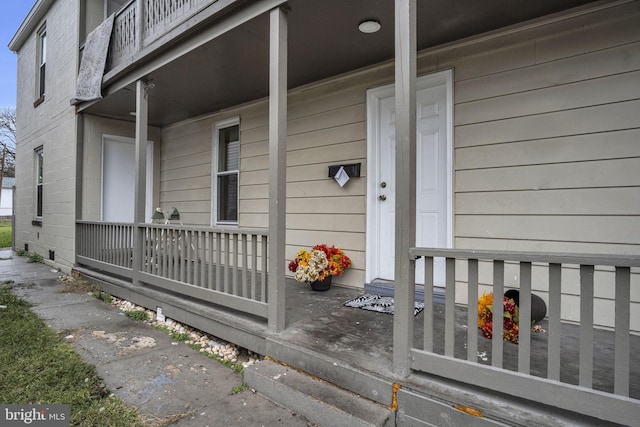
[[13, 13]]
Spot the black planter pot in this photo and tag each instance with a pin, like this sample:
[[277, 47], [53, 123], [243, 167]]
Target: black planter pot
[[538, 306], [322, 285]]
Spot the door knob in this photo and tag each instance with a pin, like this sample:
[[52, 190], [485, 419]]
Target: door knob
[[382, 197], [383, 184]]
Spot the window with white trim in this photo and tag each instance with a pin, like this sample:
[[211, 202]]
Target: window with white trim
[[39, 182], [226, 171], [42, 61]]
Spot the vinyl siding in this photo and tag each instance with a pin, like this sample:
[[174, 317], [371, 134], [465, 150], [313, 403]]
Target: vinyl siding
[[546, 150], [546, 138], [546, 153]]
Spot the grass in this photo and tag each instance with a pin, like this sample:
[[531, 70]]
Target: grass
[[36, 366], [5, 234]]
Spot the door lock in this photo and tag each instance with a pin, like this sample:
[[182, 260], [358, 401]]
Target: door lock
[[383, 184], [382, 197]]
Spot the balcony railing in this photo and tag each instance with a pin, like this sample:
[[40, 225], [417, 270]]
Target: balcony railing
[[140, 22], [509, 368], [222, 266]]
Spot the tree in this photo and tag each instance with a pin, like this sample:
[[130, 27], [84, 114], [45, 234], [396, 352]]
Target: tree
[[7, 142]]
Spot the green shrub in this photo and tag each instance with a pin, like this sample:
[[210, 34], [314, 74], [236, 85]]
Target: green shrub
[[34, 257], [137, 315], [102, 296]]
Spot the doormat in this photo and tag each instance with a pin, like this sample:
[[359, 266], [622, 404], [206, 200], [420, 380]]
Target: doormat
[[373, 302]]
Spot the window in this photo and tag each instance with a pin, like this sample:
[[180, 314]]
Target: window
[[42, 64], [226, 165], [39, 180]]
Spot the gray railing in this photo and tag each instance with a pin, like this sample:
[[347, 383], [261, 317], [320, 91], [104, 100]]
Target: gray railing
[[507, 367], [222, 266], [141, 22], [106, 245]]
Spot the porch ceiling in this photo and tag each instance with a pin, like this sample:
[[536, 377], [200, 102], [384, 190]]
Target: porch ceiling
[[324, 41]]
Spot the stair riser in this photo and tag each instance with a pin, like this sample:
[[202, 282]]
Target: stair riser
[[333, 371]]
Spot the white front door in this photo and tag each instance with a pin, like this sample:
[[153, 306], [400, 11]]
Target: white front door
[[433, 175], [119, 177]]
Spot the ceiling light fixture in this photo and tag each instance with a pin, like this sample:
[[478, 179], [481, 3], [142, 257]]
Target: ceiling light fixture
[[369, 26]]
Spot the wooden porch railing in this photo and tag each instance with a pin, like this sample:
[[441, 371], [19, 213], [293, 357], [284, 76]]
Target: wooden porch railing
[[221, 266], [141, 22], [487, 269]]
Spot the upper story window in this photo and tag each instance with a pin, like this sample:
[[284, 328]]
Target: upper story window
[[39, 173], [42, 64], [226, 169]]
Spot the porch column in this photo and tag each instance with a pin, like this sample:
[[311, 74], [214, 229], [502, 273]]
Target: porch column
[[405, 227], [277, 166], [142, 122]]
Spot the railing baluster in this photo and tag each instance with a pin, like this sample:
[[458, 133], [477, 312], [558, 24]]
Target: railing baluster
[[218, 262], [450, 308], [192, 258], [185, 249], [524, 334], [263, 277], [428, 303], [623, 296], [497, 321], [555, 332], [202, 238], [254, 265], [235, 263], [164, 236], [245, 260], [472, 319], [227, 261], [586, 326], [175, 241], [209, 257]]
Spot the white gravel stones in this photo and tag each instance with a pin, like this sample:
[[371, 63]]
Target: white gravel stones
[[208, 344]]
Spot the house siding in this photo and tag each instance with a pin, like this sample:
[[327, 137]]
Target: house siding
[[546, 152], [546, 149], [52, 125]]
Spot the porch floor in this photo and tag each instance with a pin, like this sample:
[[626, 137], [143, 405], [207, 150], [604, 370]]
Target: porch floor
[[319, 321]]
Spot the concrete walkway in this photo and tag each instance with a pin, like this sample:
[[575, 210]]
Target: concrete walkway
[[166, 380]]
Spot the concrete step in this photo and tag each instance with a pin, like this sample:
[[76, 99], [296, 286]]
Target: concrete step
[[333, 370], [320, 402]]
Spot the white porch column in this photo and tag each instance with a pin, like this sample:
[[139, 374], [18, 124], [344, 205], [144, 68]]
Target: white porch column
[[142, 122], [405, 227], [277, 166]]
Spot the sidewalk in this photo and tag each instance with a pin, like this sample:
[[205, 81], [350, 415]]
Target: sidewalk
[[164, 379]]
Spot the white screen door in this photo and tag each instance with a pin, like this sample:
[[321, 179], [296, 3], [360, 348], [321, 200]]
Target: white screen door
[[433, 175], [119, 177]]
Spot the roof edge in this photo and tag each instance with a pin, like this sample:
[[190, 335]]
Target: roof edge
[[35, 15]]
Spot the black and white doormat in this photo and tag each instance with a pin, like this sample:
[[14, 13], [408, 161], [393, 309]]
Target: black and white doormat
[[373, 302]]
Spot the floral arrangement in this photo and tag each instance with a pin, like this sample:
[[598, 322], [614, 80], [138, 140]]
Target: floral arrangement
[[510, 321], [319, 263]]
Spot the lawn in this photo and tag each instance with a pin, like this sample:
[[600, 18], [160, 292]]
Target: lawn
[[37, 367], [5, 233]]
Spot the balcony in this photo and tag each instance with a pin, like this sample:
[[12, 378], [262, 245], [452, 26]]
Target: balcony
[[144, 25]]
